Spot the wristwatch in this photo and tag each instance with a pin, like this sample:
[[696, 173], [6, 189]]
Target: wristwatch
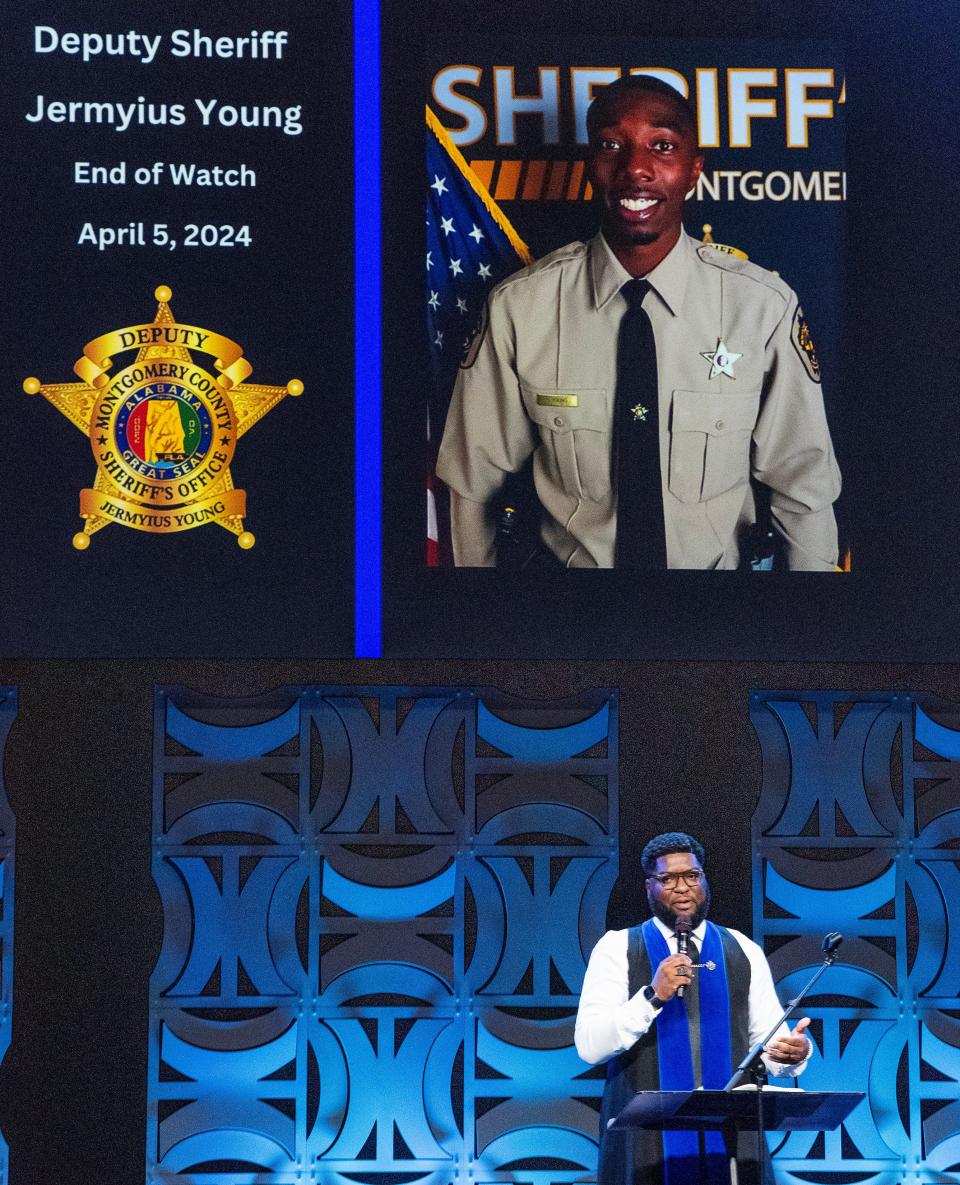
[[652, 998]]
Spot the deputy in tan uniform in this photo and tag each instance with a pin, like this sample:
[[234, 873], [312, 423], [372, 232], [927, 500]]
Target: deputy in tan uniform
[[738, 386]]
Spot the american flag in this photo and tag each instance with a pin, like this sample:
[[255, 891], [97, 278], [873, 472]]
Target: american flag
[[470, 247]]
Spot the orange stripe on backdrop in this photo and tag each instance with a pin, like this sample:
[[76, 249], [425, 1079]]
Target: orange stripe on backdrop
[[542, 180], [533, 182], [558, 174], [484, 170], [576, 180], [507, 180]]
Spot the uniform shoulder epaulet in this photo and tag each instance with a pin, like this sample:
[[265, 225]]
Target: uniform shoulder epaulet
[[743, 267], [548, 263]]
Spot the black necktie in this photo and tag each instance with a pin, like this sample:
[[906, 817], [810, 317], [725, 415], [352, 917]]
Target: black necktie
[[691, 999], [640, 538]]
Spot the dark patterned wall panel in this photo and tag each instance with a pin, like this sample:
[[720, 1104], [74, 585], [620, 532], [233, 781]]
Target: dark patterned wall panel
[[8, 712], [378, 903], [858, 829]]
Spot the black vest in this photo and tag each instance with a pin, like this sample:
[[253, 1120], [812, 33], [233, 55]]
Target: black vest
[[636, 1158]]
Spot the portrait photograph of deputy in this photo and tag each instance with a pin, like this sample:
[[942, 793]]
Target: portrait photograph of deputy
[[663, 394]]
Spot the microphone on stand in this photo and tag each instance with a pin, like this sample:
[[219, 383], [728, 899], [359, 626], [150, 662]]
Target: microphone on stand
[[681, 928], [831, 943]]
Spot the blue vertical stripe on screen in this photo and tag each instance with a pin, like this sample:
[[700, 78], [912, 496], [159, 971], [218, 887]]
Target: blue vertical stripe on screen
[[367, 318]]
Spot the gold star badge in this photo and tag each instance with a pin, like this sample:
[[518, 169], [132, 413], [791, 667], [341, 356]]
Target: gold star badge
[[163, 428], [639, 411], [721, 360]]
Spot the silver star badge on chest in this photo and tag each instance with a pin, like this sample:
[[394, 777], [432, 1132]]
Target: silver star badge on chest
[[721, 360]]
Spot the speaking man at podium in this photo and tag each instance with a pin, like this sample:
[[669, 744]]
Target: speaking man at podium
[[674, 1004]]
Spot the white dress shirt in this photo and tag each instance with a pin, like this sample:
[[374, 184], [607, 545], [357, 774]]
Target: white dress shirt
[[609, 1022]]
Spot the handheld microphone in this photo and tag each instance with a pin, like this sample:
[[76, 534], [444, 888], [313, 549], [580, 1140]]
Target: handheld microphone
[[681, 928]]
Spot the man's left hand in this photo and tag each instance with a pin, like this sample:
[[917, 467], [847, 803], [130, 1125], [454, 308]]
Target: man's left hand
[[790, 1048]]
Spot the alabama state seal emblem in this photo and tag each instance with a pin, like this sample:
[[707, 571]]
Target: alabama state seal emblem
[[163, 427]]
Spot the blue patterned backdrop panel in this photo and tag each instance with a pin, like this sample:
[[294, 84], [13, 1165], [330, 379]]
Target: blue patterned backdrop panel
[[377, 908], [8, 712], [858, 830]]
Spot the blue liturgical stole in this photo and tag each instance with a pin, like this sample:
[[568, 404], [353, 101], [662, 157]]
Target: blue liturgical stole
[[681, 1150]]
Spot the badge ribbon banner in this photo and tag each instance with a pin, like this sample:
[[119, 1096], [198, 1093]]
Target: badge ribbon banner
[[97, 354]]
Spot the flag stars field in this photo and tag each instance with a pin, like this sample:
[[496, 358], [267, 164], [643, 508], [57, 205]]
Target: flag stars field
[[470, 247]]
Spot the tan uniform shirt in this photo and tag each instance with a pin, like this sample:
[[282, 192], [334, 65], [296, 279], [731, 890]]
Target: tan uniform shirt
[[541, 378]]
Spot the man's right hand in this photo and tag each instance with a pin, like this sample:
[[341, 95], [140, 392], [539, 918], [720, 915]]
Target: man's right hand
[[673, 972]]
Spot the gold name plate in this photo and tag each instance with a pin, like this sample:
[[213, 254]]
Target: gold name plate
[[557, 401]]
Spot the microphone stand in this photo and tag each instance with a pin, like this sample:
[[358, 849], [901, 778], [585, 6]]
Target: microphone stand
[[752, 1065]]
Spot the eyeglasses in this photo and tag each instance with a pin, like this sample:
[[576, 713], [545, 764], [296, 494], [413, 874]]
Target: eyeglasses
[[669, 880]]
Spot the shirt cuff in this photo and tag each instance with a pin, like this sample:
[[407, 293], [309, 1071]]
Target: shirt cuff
[[634, 1018], [780, 1070]]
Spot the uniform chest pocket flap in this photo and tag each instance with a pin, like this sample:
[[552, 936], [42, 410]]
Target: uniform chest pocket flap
[[710, 439], [574, 425]]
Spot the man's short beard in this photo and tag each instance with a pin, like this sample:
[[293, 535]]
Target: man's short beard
[[641, 238], [631, 238], [669, 918]]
